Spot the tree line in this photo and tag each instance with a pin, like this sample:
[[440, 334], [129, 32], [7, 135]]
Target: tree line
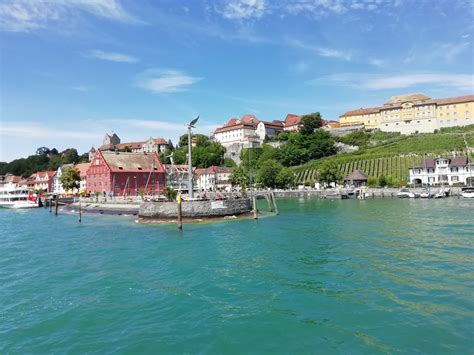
[[44, 159]]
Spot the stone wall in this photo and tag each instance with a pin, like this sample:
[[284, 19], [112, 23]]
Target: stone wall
[[196, 209]]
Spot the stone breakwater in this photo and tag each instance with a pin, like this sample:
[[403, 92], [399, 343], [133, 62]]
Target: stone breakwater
[[196, 209]]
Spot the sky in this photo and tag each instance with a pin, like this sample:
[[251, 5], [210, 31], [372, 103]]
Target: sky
[[73, 70]]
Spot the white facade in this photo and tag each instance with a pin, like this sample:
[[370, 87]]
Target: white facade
[[427, 124], [213, 179], [442, 171], [241, 135]]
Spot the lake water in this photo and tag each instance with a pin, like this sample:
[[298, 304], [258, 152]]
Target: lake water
[[375, 276]]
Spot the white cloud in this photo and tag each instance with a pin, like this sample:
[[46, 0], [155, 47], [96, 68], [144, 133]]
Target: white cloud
[[321, 51], [377, 62], [449, 51], [81, 88], [29, 15], [317, 7], [165, 81], [111, 56], [244, 9], [464, 82], [33, 130]]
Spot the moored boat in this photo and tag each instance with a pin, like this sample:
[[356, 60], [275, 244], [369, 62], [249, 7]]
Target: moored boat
[[12, 196], [467, 192], [403, 193]]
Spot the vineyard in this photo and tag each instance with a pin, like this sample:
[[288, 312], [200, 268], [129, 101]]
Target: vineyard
[[395, 166], [392, 157]]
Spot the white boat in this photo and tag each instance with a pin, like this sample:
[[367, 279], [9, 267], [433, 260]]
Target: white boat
[[12, 196], [413, 195], [467, 192], [403, 193], [440, 194]]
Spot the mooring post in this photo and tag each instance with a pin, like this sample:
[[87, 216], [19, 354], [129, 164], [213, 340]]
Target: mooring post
[[180, 214], [274, 202], [50, 204], [254, 203], [270, 206], [80, 212], [56, 207]]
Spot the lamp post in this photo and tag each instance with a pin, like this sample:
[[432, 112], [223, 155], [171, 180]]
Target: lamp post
[[190, 165]]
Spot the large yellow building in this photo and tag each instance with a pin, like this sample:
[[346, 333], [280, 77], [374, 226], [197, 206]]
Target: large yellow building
[[414, 113]]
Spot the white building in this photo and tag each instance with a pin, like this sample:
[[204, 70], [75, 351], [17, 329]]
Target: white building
[[449, 171], [214, 178], [57, 185], [248, 131]]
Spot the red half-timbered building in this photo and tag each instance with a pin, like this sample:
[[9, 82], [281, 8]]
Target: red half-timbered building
[[126, 174]]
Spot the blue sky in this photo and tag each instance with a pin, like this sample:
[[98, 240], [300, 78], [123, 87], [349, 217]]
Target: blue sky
[[72, 70]]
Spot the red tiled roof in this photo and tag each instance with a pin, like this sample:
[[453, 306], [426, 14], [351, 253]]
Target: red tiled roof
[[82, 167], [274, 123], [133, 162], [49, 174], [361, 111], [160, 141], [454, 100], [291, 119]]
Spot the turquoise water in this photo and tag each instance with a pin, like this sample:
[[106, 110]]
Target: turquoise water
[[375, 276]]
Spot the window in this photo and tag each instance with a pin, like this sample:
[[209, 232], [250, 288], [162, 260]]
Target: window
[[454, 178], [440, 115]]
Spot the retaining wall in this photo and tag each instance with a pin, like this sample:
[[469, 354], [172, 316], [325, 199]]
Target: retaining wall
[[196, 209]]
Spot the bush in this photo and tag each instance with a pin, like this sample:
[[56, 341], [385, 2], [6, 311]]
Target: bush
[[372, 181]]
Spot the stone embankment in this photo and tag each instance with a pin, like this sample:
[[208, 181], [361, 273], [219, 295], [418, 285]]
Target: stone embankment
[[118, 209], [369, 192], [196, 209]]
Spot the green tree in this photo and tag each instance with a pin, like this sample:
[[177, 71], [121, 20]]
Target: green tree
[[70, 156], [329, 172], [239, 177], [310, 122], [267, 174], [170, 194], [70, 178], [285, 178], [382, 181]]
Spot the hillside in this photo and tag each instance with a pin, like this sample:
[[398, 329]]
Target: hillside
[[390, 154]]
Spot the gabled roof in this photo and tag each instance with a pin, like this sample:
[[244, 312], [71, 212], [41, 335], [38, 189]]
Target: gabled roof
[[49, 174], [453, 162], [274, 123], [291, 119], [82, 167], [356, 175], [160, 141], [92, 150], [426, 163], [458, 161], [133, 162], [247, 121]]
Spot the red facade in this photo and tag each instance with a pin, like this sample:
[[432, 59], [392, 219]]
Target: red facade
[[126, 174]]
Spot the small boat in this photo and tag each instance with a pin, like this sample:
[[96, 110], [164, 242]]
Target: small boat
[[413, 195], [467, 192], [403, 193], [440, 194], [15, 197]]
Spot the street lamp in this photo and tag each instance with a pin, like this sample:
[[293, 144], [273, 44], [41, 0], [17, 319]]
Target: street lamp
[[190, 166]]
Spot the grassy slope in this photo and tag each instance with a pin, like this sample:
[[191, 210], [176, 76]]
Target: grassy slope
[[394, 155]]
